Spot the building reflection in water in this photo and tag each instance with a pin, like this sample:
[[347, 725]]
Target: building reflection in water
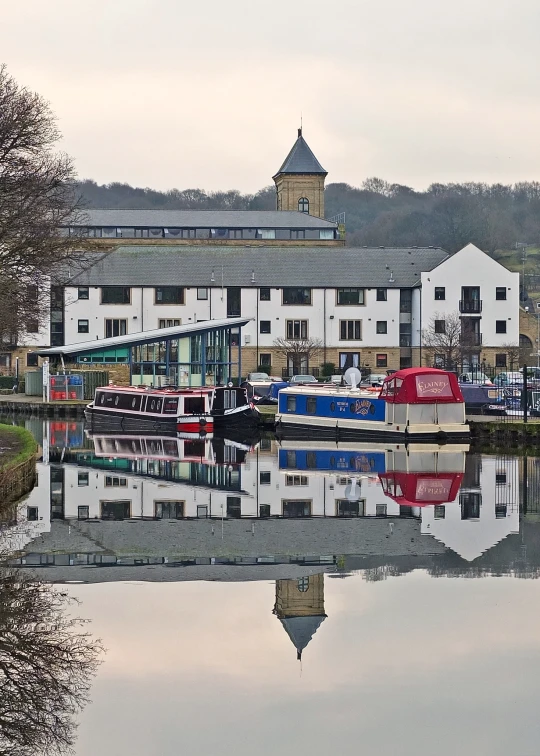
[[138, 502], [300, 608]]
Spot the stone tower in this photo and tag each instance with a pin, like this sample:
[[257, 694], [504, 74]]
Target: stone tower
[[300, 181], [300, 608]]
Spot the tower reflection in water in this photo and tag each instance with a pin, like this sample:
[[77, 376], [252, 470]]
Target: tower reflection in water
[[116, 508]]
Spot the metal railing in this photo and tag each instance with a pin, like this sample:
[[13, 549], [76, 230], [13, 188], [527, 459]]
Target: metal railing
[[469, 306]]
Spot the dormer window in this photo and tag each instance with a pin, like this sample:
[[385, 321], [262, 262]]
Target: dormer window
[[303, 205]]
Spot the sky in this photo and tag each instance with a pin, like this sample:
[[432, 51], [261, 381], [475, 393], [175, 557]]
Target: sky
[[163, 93], [409, 666]]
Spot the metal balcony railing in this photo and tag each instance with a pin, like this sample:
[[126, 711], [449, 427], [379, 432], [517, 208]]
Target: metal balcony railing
[[470, 306], [471, 339]]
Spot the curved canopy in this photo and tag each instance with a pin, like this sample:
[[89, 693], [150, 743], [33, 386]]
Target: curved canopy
[[421, 489], [421, 386]]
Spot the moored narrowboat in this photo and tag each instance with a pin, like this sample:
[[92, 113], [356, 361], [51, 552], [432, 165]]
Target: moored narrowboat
[[187, 410], [415, 404]]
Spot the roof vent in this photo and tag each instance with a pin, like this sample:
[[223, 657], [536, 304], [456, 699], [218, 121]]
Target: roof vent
[[391, 279], [252, 276], [213, 276]]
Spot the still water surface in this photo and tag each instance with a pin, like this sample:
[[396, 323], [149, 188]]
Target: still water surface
[[297, 599]]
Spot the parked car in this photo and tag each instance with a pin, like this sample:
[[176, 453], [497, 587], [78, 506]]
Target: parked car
[[375, 379], [258, 377], [508, 379], [303, 379], [475, 378]]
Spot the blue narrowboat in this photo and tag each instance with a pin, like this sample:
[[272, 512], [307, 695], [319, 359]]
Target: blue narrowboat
[[415, 404]]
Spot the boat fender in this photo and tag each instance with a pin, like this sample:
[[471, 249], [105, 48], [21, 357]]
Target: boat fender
[[202, 421]]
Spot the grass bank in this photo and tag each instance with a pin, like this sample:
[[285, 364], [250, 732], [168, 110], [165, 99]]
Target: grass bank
[[16, 446]]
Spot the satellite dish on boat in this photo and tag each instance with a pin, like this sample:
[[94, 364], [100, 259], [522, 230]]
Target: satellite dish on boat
[[352, 377]]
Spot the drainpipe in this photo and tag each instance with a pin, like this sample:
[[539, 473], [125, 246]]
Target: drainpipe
[[421, 292], [142, 308], [257, 326], [324, 325]]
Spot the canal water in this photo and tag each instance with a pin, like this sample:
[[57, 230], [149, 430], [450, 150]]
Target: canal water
[[257, 598]]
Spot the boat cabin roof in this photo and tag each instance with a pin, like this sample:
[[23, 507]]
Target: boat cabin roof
[[421, 386], [421, 489], [164, 391]]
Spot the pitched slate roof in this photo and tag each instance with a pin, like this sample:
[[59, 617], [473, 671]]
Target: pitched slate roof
[[301, 630], [202, 219], [301, 159], [314, 267]]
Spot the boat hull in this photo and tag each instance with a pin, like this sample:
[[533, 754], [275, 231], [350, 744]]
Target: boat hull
[[331, 429], [124, 423]]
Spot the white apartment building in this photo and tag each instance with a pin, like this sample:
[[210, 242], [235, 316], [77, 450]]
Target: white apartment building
[[484, 295]]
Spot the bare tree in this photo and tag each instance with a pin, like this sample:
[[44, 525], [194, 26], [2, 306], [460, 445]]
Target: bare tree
[[297, 349], [46, 664], [442, 339], [517, 355], [37, 196]]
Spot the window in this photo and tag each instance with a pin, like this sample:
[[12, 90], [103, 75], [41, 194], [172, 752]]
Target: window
[[169, 322], [500, 479], [380, 510], [296, 508], [234, 506], [83, 513], [440, 293], [32, 514], [382, 326], [265, 478], [83, 292], [202, 293], [169, 295], [264, 294], [264, 510], [500, 511], [500, 326], [264, 326], [115, 295], [265, 359], [500, 292], [168, 510], [382, 360], [296, 296], [266, 233], [32, 359], [382, 295], [113, 481], [115, 327], [83, 326], [350, 330], [298, 234], [82, 479], [350, 296], [296, 480], [303, 205], [296, 329], [32, 326], [311, 405], [348, 508], [500, 360], [326, 233], [291, 404], [440, 326], [439, 511]]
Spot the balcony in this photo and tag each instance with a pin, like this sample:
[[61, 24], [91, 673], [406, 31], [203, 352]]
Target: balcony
[[471, 339], [470, 306]]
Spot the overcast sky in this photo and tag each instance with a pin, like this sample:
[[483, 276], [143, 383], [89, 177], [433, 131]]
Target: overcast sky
[[165, 93]]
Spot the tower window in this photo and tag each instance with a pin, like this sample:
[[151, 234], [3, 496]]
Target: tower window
[[303, 205]]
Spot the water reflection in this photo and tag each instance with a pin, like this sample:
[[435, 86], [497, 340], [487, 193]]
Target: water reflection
[[46, 664], [247, 592]]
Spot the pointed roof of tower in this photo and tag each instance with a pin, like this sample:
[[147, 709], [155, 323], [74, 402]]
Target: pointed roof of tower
[[302, 629], [301, 159]]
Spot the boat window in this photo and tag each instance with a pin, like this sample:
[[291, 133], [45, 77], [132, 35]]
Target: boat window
[[194, 405], [311, 405], [311, 460], [170, 405], [229, 399], [116, 401], [291, 459], [291, 404], [136, 403], [101, 397]]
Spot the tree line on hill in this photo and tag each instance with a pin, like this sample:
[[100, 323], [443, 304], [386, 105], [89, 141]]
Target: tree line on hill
[[378, 213]]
